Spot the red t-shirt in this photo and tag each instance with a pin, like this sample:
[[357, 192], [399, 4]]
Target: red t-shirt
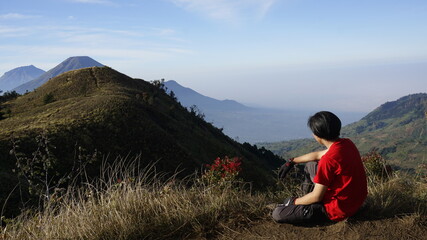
[[342, 171]]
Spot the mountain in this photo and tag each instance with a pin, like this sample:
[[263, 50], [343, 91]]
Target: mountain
[[243, 123], [248, 124], [188, 97], [100, 110], [397, 130], [71, 63], [18, 76]]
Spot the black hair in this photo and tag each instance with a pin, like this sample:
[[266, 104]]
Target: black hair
[[325, 125]]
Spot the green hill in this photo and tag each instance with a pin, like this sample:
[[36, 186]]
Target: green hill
[[396, 129], [99, 109]]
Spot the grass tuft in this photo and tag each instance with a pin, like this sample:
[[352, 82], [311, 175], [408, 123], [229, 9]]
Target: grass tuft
[[399, 195]]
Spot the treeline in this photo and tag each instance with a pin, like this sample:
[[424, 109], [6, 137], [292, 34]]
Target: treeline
[[7, 96]]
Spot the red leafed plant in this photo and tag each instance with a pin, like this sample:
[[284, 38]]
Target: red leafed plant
[[222, 170]]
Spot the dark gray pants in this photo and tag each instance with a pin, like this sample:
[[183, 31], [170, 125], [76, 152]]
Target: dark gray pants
[[297, 214]]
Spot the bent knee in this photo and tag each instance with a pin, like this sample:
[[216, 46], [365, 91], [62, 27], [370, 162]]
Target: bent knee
[[276, 215]]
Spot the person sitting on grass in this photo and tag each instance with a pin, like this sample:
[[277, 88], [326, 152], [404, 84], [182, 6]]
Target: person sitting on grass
[[340, 185]]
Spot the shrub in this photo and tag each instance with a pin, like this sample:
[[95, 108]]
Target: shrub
[[38, 168], [48, 98], [222, 170], [9, 95], [375, 166], [421, 171]]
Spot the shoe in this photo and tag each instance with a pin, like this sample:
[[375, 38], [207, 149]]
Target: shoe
[[271, 206]]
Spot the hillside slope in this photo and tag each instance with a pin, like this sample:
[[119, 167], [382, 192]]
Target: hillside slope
[[397, 130], [100, 109]]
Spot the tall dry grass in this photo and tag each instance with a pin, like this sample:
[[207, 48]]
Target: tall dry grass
[[126, 203], [399, 195], [392, 193]]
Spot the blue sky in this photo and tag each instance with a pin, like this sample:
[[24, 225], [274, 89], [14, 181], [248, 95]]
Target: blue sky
[[342, 55]]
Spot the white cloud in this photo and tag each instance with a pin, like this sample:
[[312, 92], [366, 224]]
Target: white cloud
[[137, 45], [227, 10], [104, 2], [83, 35], [16, 16], [163, 31], [264, 7], [8, 32]]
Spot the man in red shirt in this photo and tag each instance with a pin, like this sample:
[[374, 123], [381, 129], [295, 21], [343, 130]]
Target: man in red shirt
[[340, 185]]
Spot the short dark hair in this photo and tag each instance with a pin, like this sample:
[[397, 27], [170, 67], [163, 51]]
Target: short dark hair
[[325, 125]]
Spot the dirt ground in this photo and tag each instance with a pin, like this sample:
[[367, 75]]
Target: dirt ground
[[406, 227]]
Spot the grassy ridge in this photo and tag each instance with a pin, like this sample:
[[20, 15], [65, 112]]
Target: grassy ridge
[[106, 105], [99, 109]]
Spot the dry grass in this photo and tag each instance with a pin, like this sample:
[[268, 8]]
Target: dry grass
[[139, 206], [130, 204], [399, 195]]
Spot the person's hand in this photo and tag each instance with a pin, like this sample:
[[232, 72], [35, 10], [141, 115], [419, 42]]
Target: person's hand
[[289, 201], [285, 168]]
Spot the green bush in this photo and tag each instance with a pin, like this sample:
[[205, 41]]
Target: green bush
[[48, 98]]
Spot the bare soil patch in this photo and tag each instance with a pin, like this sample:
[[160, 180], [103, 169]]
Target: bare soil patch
[[406, 227]]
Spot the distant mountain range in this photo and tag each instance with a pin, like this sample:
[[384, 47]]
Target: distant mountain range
[[18, 76], [248, 124], [397, 130], [242, 123], [69, 64]]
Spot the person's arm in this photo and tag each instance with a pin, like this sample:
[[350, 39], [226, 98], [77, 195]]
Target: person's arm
[[313, 156], [315, 196]]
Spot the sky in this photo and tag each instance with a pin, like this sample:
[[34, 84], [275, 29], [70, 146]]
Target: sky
[[338, 55]]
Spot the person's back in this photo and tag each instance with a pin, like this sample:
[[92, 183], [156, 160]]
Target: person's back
[[341, 169], [338, 174]]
